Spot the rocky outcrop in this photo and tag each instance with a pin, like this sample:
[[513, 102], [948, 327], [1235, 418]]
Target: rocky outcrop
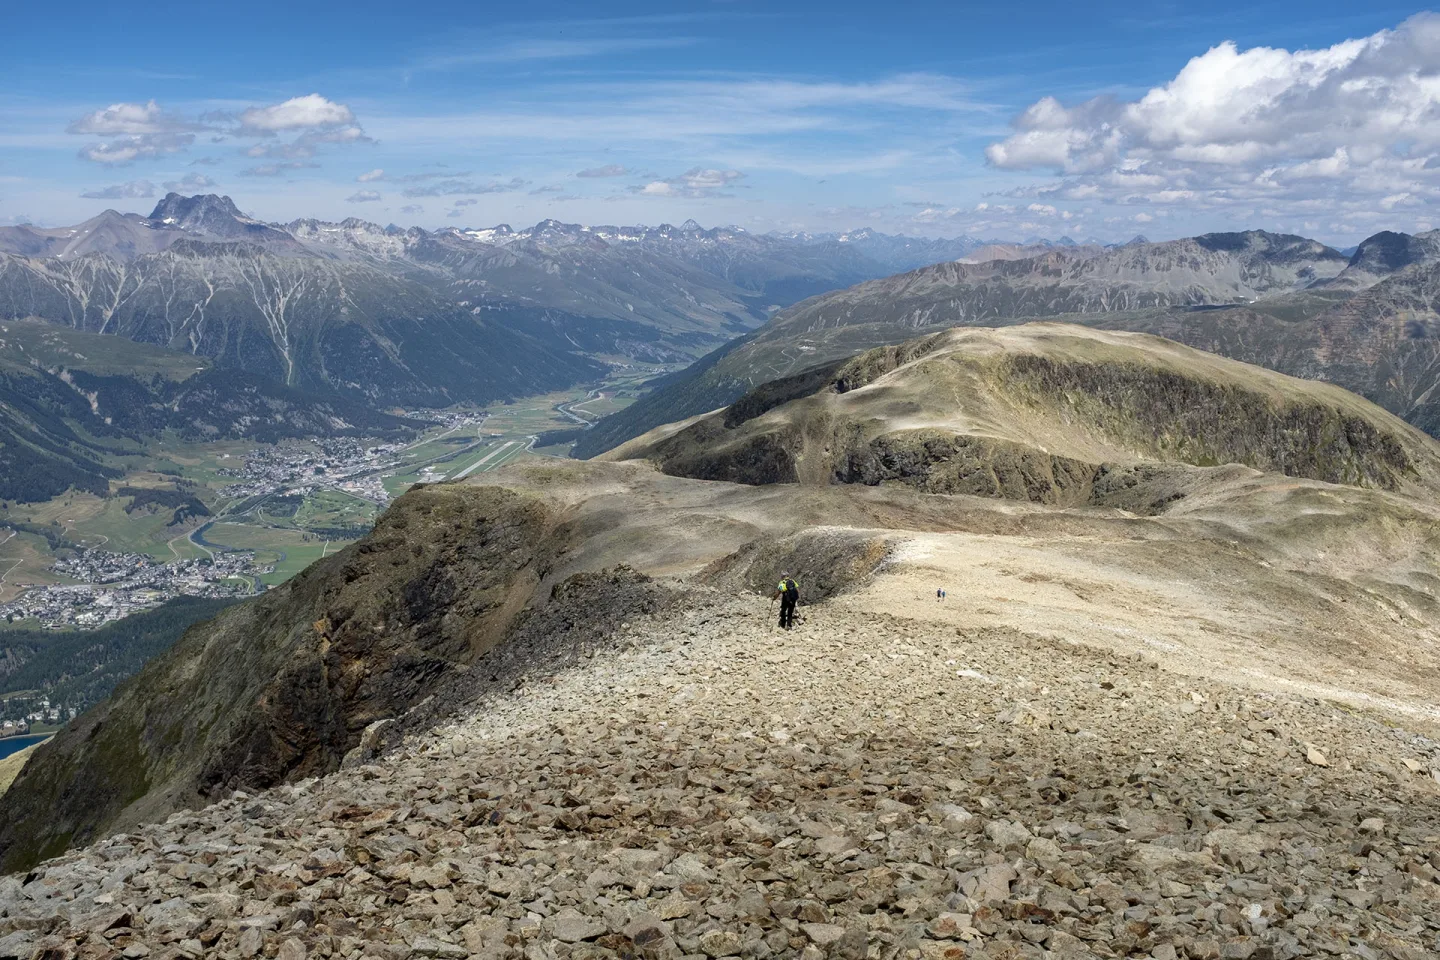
[[826, 561], [937, 462], [284, 686], [764, 457]]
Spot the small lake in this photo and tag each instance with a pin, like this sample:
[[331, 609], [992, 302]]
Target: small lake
[[11, 745]]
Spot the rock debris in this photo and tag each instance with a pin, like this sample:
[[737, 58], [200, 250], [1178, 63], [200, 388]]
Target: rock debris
[[860, 787]]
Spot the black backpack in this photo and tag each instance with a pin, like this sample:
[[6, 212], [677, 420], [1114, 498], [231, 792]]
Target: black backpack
[[792, 592]]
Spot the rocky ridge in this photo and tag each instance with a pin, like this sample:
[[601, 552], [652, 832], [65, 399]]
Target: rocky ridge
[[1052, 413], [862, 787], [1364, 323]]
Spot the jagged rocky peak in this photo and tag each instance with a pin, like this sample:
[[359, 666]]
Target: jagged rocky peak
[[216, 216], [499, 234], [199, 210], [352, 236], [555, 227]]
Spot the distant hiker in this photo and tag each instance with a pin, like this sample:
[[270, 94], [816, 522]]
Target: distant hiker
[[939, 594], [788, 593]]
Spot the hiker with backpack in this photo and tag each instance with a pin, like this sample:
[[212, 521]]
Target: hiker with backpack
[[788, 593]]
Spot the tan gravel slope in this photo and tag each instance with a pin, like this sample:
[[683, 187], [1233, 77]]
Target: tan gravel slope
[[863, 786]]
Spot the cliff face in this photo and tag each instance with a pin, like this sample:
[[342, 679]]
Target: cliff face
[[284, 686]]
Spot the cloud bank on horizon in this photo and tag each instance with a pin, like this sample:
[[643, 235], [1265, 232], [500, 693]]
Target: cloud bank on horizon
[[1349, 130], [1335, 141]]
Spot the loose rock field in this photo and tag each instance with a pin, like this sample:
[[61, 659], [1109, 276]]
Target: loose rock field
[[862, 787]]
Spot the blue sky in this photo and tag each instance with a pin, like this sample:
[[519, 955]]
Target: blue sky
[[995, 120]]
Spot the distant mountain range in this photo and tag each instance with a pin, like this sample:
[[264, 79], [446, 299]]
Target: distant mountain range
[[382, 316], [409, 316], [1367, 322]]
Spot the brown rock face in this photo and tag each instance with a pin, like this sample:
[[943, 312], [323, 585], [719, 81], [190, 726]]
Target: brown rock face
[[281, 688]]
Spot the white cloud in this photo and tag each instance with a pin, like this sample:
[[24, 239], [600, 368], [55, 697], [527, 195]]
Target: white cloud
[[371, 176], [446, 188], [412, 209], [1400, 200], [609, 170], [133, 190], [309, 112], [318, 120], [145, 131], [932, 214], [306, 145], [189, 183], [127, 150], [363, 196], [129, 119], [142, 131], [1260, 132], [276, 169], [696, 183], [1079, 139]]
